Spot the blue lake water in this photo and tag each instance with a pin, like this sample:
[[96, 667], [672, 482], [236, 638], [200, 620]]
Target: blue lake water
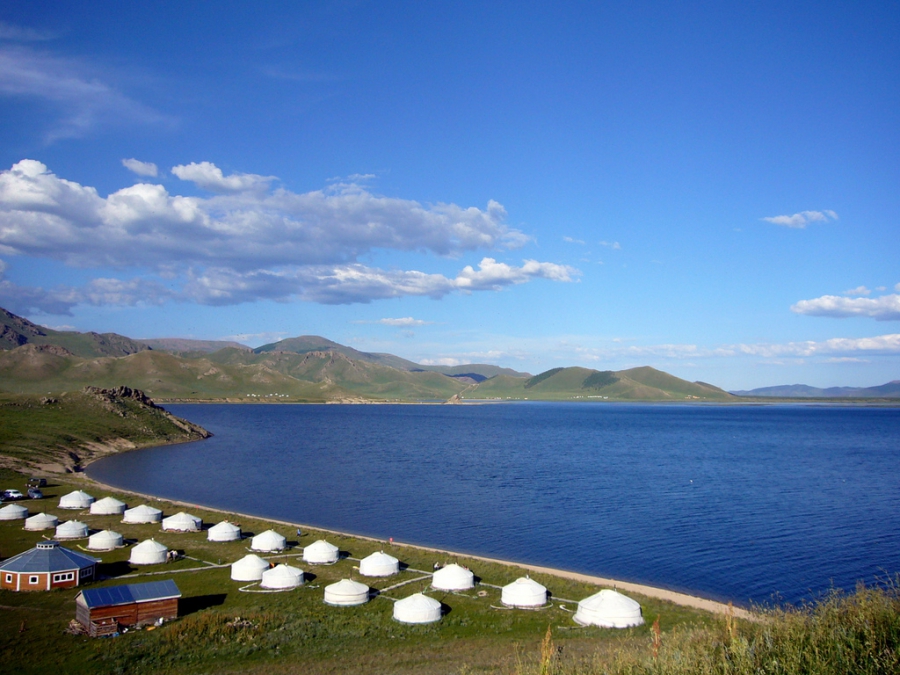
[[731, 502]]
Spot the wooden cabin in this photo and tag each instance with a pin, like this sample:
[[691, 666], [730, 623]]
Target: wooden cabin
[[104, 611]]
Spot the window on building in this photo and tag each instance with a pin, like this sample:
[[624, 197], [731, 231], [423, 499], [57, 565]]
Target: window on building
[[9, 578], [32, 580], [64, 576]]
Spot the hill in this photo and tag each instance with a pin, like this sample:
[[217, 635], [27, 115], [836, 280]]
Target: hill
[[187, 346], [888, 390]]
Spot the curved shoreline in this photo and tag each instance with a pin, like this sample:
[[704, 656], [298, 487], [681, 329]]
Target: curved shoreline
[[683, 599]]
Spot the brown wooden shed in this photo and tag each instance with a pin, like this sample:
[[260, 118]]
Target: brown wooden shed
[[103, 611]]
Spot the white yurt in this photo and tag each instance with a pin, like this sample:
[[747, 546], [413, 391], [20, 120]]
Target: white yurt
[[108, 506], [13, 512], [346, 592], [182, 522], [321, 553], [76, 500], [249, 568], [268, 541], [41, 521], [148, 552], [524, 592], [282, 576], [142, 514], [609, 609], [106, 540], [453, 577], [379, 564], [417, 608], [224, 531], [71, 529]]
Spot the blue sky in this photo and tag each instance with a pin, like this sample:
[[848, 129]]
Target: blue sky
[[712, 189]]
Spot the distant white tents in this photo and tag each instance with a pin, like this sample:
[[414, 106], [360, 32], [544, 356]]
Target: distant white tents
[[249, 568], [224, 531], [321, 553], [106, 540], [453, 578], [182, 522], [76, 500], [345, 593], [282, 577], [267, 542], [609, 609], [417, 608], [108, 506], [379, 564], [13, 512], [148, 552], [72, 529], [142, 514], [41, 521], [524, 592]]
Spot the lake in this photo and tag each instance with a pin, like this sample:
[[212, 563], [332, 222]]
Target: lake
[[732, 502]]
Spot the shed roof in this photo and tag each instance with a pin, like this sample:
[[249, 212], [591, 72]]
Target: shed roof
[[130, 593], [48, 556]]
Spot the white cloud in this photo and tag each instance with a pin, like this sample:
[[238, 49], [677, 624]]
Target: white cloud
[[404, 322], [84, 99], [802, 219], [614, 245], [448, 361], [859, 290], [881, 344], [18, 34], [208, 176], [141, 168], [884, 308], [570, 240], [492, 275]]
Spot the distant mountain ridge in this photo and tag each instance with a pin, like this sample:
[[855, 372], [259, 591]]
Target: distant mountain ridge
[[888, 390]]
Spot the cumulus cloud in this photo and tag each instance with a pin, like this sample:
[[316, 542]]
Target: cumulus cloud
[[570, 240], [859, 290], [404, 322], [148, 169], [250, 241], [614, 245], [802, 219], [80, 92], [884, 308]]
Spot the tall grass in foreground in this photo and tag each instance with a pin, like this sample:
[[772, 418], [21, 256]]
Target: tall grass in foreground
[[857, 633]]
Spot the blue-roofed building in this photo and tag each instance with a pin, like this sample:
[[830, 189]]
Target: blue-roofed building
[[106, 610], [46, 566]]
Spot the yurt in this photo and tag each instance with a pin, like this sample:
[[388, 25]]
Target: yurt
[[345, 593], [13, 512], [142, 514], [108, 506], [282, 576], [417, 608], [148, 552], [106, 540], [379, 564], [41, 521], [609, 609], [182, 522], [268, 541], [224, 531], [76, 500], [321, 553], [249, 568], [71, 529], [453, 578], [524, 592]]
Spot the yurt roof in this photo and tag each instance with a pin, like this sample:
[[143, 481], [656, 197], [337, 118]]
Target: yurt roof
[[13, 512], [524, 591], [251, 561], [282, 576], [48, 556], [379, 564], [144, 508], [105, 540], [108, 505], [143, 514], [224, 530], [71, 529], [321, 551], [182, 521], [417, 608], [41, 521], [453, 577], [269, 540], [609, 609], [346, 590], [150, 545], [78, 498]]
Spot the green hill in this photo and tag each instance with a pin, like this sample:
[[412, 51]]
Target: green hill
[[16, 331]]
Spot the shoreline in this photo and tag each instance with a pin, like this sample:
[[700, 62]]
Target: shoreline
[[678, 598]]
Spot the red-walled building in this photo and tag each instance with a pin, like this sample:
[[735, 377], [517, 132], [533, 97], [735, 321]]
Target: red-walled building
[[46, 566]]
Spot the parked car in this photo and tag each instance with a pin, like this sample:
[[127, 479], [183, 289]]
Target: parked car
[[37, 482], [11, 495], [34, 493]]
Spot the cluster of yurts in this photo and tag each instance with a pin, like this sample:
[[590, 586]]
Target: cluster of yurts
[[607, 608]]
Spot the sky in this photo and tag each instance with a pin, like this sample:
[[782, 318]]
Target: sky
[[711, 189]]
